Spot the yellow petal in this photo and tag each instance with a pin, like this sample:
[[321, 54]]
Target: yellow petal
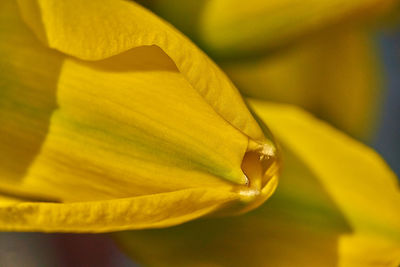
[[158, 210], [358, 180], [96, 30], [119, 143], [334, 75], [141, 124], [234, 27], [337, 205]]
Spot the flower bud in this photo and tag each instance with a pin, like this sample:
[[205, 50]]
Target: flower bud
[[121, 122]]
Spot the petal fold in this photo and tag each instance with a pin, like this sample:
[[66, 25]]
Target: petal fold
[[151, 211], [330, 69]]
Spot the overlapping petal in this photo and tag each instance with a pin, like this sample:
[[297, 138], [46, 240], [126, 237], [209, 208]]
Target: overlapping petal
[[337, 205], [320, 55]]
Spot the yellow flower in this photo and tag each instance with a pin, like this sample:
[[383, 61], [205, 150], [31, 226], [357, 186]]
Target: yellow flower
[[114, 120]]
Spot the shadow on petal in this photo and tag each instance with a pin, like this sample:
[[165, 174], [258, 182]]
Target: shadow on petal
[[299, 226], [28, 79]]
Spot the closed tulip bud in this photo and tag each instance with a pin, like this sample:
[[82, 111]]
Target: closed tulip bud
[[122, 128]]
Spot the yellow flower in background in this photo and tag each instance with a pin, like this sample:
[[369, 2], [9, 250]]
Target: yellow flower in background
[[112, 120], [320, 55]]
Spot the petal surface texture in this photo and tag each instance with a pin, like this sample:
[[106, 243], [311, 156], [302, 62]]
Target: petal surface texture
[[123, 141], [337, 205]]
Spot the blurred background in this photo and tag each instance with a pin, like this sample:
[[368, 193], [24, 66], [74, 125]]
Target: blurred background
[[387, 140], [60, 250], [344, 67]]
